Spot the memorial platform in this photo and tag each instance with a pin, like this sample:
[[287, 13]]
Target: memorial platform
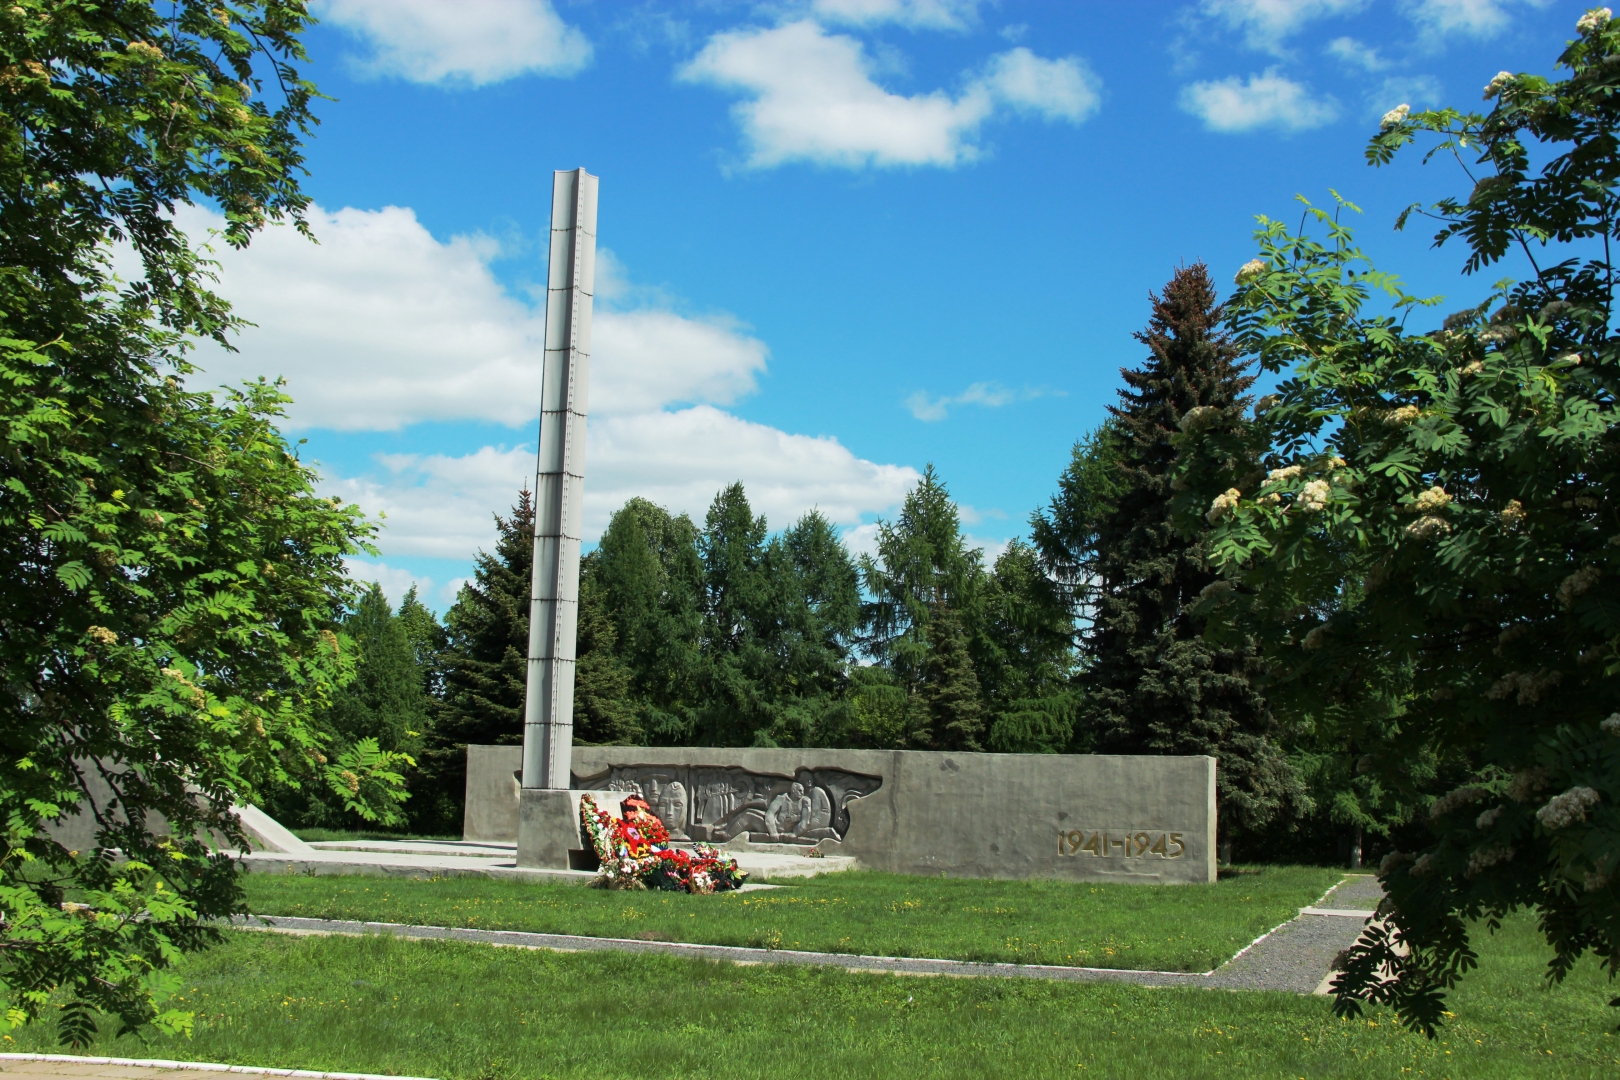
[[433, 858]]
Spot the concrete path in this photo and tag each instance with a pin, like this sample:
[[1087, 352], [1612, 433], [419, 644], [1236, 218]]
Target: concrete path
[[1294, 957], [433, 858], [75, 1067]]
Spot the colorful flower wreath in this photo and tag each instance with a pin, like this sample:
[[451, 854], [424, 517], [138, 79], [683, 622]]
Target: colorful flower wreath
[[636, 854]]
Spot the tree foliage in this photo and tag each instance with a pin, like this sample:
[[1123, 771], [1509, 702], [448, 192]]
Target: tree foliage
[[1154, 683], [1443, 503], [173, 583]]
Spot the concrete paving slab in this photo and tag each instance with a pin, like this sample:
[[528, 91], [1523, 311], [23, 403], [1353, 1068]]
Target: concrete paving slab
[[64, 1066], [415, 858]]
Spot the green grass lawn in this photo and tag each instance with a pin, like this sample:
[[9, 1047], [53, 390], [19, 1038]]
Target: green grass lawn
[[452, 1010], [1172, 928]]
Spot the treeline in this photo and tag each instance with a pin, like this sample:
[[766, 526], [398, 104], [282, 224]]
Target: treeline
[[725, 633]]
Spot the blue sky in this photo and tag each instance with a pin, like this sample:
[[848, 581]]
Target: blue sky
[[844, 238]]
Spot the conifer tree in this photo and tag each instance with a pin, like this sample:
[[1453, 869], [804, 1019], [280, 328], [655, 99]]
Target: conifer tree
[[952, 714], [1025, 656], [921, 561], [484, 664], [604, 709], [1154, 684], [648, 568], [428, 640], [385, 701]]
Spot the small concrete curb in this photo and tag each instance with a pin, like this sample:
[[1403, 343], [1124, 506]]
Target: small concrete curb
[[1342, 912], [199, 1066], [737, 954]]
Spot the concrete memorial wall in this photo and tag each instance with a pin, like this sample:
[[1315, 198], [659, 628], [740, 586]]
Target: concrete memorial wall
[[1079, 817]]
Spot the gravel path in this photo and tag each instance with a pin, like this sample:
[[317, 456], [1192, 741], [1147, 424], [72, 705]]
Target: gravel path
[[1294, 957]]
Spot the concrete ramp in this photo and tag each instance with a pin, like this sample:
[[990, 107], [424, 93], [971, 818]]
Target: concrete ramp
[[268, 834]]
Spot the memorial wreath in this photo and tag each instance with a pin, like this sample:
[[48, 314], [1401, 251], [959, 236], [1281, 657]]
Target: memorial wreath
[[636, 854]]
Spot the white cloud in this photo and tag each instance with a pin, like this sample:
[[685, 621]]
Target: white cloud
[[917, 14], [1472, 18], [811, 96], [681, 459], [396, 582], [1353, 53], [471, 42], [1054, 89], [991, 395], [1266, 24], [441, 505], [380, 325], [1262, 101]]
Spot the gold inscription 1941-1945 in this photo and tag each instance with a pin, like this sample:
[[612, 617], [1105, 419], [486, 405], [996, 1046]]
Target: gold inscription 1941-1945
[[1107, 843]]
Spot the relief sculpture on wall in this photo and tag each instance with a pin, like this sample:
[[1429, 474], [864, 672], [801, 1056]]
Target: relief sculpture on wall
[[717, 803]]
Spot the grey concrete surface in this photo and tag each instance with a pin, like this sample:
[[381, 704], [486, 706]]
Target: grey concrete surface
[[493, 782], [79, 1066], [548, 828], [425, 858], [1071, 816]]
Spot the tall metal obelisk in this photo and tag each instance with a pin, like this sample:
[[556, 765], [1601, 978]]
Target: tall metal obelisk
[[547, 827]]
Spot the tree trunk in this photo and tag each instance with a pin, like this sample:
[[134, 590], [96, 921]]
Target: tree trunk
[[1355, 849], [1223, 852]]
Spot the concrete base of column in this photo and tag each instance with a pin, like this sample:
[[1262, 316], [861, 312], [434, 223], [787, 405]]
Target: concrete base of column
[[548, 828]]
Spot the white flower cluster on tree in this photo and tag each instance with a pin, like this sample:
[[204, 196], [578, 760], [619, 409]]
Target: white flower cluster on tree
[[1402, 416], [1593, 21], [1429, 501], [1487, 818], [1224, 504], [1313, 497], [1278, 475], [1456, 800], [1568, 808], [1426, 527], [1251, 269], [1526, 783], [1611, 725], [1199, 417], [1497, 84], [1394, 117], [1484, 858], [1579, 582]]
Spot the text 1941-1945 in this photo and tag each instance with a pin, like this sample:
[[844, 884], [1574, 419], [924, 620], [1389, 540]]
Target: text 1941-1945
[[1122, 843]]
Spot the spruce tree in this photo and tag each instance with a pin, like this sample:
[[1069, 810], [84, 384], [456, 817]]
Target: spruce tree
[[1154, 684], [922, 561], [952, 714], [484, 664]]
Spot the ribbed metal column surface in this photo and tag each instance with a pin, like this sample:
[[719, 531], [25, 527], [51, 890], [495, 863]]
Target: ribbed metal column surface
[[559, 486]]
